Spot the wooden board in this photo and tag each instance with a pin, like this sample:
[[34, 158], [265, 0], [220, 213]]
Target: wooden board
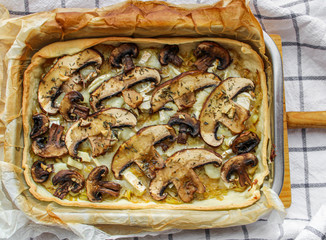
[[286, 190]]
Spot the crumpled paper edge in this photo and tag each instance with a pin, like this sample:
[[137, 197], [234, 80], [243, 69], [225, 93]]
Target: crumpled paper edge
[[16, 52]]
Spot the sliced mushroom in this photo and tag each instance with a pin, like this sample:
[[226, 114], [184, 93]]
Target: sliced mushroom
[[245, 142], [139, 149], [52, 147], [69, 180], [41, 171], [132, 98], [208, 52], [239, 165], [181, 89], [61, 76], [187, 124], [117, 84], [123, 55], [96, 187], [70, 107], [97, 128], [169, 54], [185, 101], [179, 170], [41, 125], [220, 108]]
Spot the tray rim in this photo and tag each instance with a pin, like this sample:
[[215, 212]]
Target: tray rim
[[277, 134]]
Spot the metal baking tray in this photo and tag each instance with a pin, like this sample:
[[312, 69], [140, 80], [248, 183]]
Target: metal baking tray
[[275, 87]]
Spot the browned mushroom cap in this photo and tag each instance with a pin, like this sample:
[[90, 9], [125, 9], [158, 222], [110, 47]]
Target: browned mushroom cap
[[139, 149], [69, 180], [170, 54], [132, 98], [97, 128], [117, 84], [52, 147], [41, 171], [245, 142], [179, 170], [123, 55], [70, 107], [181, 89], [220, 108], [208, 52], [95, 187], [239, 165], [41, 125], [187, 124], [59, 78]]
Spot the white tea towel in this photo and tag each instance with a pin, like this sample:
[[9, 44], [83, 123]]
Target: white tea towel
[[302, 26], [316, 229]]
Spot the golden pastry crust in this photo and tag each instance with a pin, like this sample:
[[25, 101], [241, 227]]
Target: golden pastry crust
[[35, 71], [149, 19]]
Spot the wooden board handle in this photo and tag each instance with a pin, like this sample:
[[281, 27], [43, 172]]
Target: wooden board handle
[[306, 119]]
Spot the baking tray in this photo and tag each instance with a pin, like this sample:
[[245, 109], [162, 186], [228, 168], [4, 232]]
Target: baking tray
[[156, 223], [275, 86], [275, 90]]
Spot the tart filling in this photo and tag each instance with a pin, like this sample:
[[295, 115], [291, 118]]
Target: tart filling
[[135, 123]]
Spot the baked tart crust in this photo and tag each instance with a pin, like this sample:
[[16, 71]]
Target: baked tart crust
[[236, 83]]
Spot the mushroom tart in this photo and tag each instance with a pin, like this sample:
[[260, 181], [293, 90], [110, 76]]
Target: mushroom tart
[[130, 123]]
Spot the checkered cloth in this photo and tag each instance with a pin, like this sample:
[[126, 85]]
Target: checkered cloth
[[302, 26]]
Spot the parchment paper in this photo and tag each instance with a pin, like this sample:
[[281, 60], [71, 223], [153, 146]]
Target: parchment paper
[[19, 39]]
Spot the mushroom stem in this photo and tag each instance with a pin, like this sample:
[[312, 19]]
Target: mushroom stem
[[169, 54], [243, 178], [183, 134], [128, 63], [176, 60], [204, 63], [80, 111], [185, 101], [70, 107], [122, 55], [188, 185], [188, 125], [110, 188]]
